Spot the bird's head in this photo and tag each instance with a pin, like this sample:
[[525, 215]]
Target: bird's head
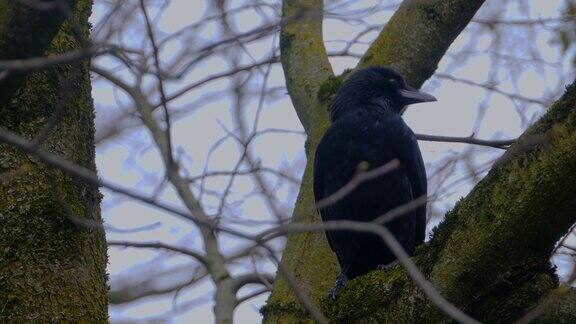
[[380, 88]]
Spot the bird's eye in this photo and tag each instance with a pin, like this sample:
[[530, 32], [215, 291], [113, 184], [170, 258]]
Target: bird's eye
[[393, 81]]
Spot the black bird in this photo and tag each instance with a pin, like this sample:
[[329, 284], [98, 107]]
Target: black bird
[[367, 130]]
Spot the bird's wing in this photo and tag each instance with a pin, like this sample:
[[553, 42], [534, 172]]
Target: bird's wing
[[318, 178], [411, 161], [319, 192], [339, 241]]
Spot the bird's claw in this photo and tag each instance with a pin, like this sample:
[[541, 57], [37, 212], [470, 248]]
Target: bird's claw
[[386, 267], [341, 282]]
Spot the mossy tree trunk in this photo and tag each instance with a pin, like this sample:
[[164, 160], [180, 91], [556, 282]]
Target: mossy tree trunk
[[50, 269], [25, 33], [493, 248]]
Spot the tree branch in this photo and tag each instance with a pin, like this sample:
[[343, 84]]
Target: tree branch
[[516, 214], [161, 246], [501, 144], [304, 58], [418, 35]]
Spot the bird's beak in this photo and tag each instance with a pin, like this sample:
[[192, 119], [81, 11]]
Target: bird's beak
[[411, 96]]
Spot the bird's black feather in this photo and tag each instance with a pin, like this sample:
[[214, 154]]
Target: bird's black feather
[[367, 127]]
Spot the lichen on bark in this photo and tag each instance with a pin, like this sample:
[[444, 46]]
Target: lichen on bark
[[25, 33], [418, 35], [51, 269]]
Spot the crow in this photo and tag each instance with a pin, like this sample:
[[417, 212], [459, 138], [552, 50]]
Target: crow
[[367, 132]]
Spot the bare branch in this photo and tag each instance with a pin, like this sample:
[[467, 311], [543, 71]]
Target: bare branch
[[159, 245], [501, 144]]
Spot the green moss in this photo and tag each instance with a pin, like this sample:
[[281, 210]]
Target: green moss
[[329, 88], [284, 310], [559, 111], [303, 246], [519, 290], [372, 298], [304, 59], [286, 41], [51, 269], [434, 23], [306, 67], [24, 33], [561, 307], [525, 192]]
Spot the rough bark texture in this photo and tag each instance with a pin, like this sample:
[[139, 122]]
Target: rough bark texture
[[306, 69], [304, 58], [50, 269], [25, 33], [563, 311], [311, 86], [418, 35], [515, 215]]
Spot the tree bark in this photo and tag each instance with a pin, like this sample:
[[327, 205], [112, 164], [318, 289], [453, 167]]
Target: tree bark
[[25, 33], [492, 249], [51, 269]]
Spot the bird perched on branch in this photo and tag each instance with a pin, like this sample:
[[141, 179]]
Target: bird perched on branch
[[367, 133]]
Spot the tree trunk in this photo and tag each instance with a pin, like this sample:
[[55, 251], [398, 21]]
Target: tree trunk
[[50, 268], [492, 249], [25, 33]]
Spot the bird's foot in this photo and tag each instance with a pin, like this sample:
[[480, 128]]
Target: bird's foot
[[341, 282], [386, 267]]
